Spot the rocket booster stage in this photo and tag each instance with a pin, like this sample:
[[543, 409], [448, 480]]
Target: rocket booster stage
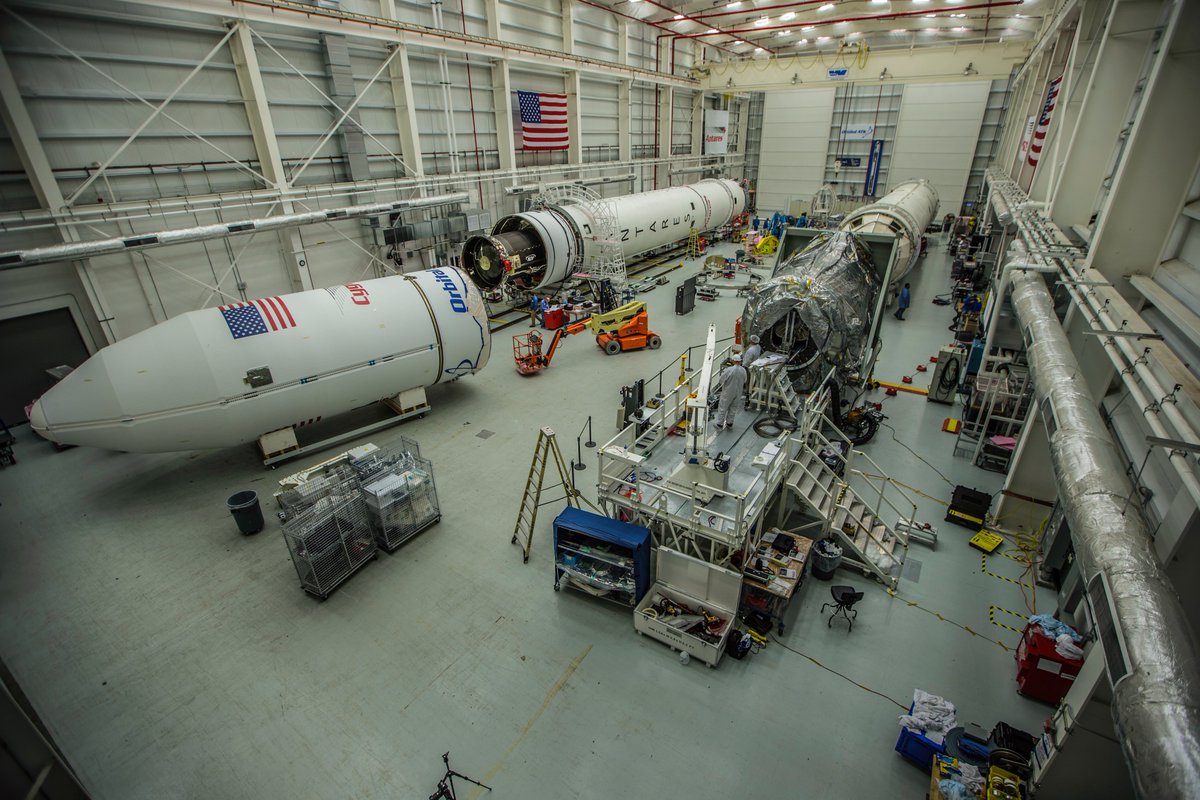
[[544, 247], [224, 376]]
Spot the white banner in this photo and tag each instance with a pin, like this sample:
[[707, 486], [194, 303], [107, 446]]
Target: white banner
[[716, 128], [1029, 125], [859, 132]]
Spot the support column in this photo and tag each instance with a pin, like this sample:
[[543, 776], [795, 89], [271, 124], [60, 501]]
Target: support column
[[574, 117], [665, 114], [492, 10], [622, 41], [41, 177], [743, 115], [1151, 183], [624, 121], [698, 123], [568, 26], [266, 146], [1103, 113], [400, 78], [502, 100]]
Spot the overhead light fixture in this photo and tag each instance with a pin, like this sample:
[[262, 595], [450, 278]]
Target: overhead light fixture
[[712, 30], [788, 15], [932, 30], [878, 2], [738, 41], [734, 4], [822, 38], [958, 15], [852, 34], [802, 41], [920, 2], [679, 16], [784, 33], [826, 7], [758, 49], [795, 78], [899, 30], [758, 23], [960, 29], [729, 83], [884, 75], [930, 16], [807, 28]]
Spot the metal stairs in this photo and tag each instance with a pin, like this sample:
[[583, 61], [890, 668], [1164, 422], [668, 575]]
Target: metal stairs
[[868, 543], [771, 390]]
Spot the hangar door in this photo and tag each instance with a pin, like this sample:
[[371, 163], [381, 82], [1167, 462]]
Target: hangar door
[[29, 346]]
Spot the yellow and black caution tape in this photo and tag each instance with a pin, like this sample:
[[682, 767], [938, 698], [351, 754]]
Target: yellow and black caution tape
[[983, 567], [943, 618], [992, 618]]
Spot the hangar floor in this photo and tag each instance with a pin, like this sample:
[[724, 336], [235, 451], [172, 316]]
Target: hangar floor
[[171, 657]]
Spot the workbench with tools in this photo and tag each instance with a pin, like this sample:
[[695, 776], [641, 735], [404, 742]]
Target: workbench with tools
[[773, 574]]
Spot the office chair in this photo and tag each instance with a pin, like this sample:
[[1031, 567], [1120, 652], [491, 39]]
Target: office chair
[[844, 598]]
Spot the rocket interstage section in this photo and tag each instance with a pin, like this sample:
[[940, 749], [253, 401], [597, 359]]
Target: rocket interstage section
[[904, 212], [543, 247], [224, 376]]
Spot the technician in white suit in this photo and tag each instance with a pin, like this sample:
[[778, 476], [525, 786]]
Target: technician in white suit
[[733, 387]]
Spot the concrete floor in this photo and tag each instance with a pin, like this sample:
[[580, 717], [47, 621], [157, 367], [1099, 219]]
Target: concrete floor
[[172, 657]]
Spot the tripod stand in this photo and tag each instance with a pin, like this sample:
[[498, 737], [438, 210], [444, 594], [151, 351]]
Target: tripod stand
[[445, 787]]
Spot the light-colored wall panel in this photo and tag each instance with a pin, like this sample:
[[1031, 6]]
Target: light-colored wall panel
[[936, 136], [795, 137]]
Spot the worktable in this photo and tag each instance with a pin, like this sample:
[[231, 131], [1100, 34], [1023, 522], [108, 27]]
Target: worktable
[[776, 594]]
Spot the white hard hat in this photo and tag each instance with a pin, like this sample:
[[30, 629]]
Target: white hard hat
[[754, 339], [736, 358]]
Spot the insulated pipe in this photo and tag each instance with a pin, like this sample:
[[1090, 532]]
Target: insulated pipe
[[546, 246], [143, 241], [1156, 706]]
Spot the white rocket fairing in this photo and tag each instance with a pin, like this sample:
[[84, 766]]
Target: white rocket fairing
[[224, 376], [904, 212], [544, 247]]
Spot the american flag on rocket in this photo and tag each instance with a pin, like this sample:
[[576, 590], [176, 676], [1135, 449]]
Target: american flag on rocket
[[1043, 125], [259, 316], [543, 121]]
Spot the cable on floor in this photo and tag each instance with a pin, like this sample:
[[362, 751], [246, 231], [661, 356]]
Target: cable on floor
[[892, 430], [840, 675]]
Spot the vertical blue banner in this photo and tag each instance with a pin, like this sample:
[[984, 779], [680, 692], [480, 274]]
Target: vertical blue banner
[[872, 182]]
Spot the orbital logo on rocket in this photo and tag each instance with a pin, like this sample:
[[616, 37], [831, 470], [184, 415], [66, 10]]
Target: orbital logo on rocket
[[447, 283]]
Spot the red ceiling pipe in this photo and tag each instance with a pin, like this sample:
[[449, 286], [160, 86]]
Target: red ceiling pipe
[[651, 23], [752, 11], [877, 17]]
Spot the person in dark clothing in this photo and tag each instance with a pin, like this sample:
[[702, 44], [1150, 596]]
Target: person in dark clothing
[[904, 301]]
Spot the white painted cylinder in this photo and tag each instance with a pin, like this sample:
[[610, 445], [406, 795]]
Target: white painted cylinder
[[555, 242], [904, 212], [185, 383]]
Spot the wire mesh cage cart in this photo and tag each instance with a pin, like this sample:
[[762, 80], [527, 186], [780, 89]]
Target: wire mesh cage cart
[[330, 540], [397, 485]]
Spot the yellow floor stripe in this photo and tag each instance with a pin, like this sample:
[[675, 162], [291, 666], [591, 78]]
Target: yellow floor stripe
[[550, 695], [903, 387], [940, 617]]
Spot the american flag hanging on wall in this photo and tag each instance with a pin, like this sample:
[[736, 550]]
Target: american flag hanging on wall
[[1043, 123], [543, 121]]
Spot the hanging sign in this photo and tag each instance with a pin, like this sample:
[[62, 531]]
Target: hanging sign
[[837, 74], [863, 132], [716, 128], [871, 184]]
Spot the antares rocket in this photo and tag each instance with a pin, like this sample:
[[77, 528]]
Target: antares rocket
[[224, 376], [545, 246]]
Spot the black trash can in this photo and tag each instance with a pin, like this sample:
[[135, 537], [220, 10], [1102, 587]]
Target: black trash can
[[245, 509], [826, 558]]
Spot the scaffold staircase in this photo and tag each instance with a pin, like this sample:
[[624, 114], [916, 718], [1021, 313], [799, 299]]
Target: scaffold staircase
[[868, 542], [771, 390]]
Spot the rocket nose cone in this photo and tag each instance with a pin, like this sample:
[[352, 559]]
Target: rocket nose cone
[[37, 421]]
